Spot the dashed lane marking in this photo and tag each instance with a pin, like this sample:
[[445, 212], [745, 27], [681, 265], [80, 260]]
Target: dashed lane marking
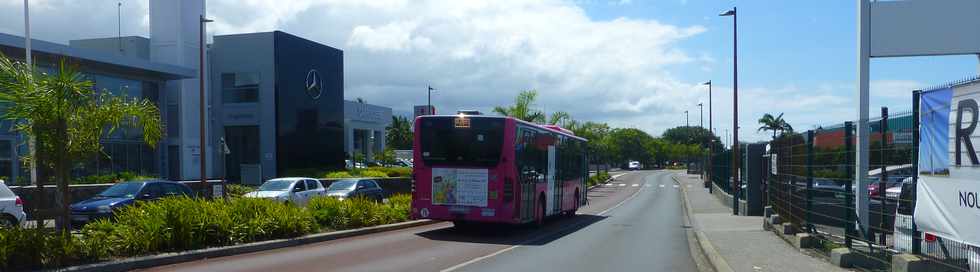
[[635, 185], [661, 185], [676, 186], [622, 184]]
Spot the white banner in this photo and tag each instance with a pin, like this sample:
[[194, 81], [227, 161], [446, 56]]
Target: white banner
[[949, 170], [948, 207]]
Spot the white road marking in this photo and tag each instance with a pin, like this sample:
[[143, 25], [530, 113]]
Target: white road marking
[[622, 184], [648, 185], [634, 185], [458, 266], [661, 185], [676, 186]]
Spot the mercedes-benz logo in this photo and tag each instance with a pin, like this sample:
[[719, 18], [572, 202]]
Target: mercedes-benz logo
[[314, 88]]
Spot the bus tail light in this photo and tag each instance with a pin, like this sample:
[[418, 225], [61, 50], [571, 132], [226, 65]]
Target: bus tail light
[[930, 238], [508, 189]]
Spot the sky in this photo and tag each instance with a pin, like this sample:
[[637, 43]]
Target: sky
[[630, 63]]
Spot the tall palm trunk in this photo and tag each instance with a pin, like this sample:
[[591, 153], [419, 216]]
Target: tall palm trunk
[[61, 175]]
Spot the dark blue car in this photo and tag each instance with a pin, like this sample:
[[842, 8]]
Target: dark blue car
[[119, 195]]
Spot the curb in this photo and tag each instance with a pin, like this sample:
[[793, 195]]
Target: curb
[[717, 261], [199, 254], [604, 182]]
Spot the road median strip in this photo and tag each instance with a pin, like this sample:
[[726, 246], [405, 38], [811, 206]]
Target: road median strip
[[215, 252]]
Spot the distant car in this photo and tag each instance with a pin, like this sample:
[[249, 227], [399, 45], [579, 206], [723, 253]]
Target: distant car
[[634, 165], [11, 208], [403, 163], [123, 194], [294, 190], [350, 188], [896, 174]]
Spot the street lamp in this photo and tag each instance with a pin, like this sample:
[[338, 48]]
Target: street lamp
[[430, 100], [202, 149], [701, 114], [735, 182], [711, 144], [687, 121]]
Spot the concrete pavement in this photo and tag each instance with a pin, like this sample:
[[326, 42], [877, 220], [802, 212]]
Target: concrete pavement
[[741, 240], [630, 225]]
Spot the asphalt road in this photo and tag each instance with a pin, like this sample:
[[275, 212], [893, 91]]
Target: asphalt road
[[636, 226]]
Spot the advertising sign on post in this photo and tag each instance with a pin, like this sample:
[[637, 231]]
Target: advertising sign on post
[[949, 170]]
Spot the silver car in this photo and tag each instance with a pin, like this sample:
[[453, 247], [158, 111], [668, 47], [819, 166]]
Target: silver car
[[11, 208]]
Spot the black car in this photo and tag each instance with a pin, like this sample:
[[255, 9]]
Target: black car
[[350, 188], [119, 195]]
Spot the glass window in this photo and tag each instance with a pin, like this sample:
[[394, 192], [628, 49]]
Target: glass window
[[311, 184], [170, 189], [300, 186], [127, 189], [240, 87], [477, 141], [155, 190], [342, 185]]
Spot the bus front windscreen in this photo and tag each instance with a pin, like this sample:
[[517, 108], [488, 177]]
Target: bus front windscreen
[[474, 142]]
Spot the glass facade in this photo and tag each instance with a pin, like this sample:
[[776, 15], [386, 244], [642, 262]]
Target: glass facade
[[239, 88]]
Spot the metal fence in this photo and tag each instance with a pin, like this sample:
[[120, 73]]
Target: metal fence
[[813, 189]]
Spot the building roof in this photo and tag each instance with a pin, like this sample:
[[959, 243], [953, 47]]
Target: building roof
[[95, 58]]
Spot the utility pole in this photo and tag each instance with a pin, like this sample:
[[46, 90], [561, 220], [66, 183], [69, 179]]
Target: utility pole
[[202, 149], [701, 115], [431, 111], [735, 173], [119, 25], [687, 121]]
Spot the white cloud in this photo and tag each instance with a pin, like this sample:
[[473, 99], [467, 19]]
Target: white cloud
[[479, 54]]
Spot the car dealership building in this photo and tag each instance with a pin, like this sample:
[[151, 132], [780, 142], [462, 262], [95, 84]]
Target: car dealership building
[[274, 101]]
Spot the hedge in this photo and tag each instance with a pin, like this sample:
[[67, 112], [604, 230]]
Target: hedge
[[177, 224]]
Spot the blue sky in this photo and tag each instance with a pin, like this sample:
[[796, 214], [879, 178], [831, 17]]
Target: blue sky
[[630, 63], [784, 43]]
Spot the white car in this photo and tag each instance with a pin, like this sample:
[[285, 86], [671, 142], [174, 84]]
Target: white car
[[295, 190], [11, 208], [634, 165], [946, 250]]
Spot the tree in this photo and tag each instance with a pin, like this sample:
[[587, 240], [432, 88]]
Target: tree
[[560, 118], [775, 124], [522, 108], [68, 117], [692, 135], [400, 134]]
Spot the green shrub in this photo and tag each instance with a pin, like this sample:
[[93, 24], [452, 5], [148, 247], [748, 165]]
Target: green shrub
[[394, 172], [599, 177], [332, 213], [174, 224], [33, 249], [238, 190], [372, 173], [338, 175], [111, 178]]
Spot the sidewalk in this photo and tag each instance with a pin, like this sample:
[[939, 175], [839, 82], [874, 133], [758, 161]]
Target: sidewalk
[[740, 240]]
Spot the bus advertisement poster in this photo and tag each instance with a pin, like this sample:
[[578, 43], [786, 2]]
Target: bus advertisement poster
[[464, 187]]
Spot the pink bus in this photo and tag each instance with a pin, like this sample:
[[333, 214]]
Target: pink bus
[[473, 168]]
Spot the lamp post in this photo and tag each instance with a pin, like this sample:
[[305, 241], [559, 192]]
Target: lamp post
[[701, 114], [431, 112], [711, 143], [735, 173], [202, 149]]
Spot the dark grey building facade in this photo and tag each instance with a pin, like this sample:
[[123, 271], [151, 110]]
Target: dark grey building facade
[[278, 105]]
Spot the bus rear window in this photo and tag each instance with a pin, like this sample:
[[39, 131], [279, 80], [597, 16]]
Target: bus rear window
[[445, 142]]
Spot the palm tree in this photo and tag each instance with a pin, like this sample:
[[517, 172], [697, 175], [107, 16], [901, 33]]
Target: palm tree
[[775, 124], [400, 133], [560, 118], [67, 118], [522, 108]]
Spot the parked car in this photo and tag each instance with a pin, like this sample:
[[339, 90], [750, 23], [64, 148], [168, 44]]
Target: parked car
[[403, 163], [896, 174], [350, 188], [294, 190], [11, 208], [634, 165], [123, 194]]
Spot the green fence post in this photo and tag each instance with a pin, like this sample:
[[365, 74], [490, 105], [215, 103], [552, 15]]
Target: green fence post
[[808, 223], [849, 223]]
